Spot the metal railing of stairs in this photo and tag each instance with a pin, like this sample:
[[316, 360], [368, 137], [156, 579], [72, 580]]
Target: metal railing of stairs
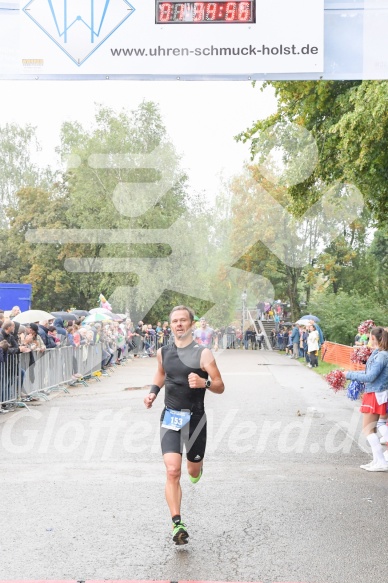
[[258, 325]]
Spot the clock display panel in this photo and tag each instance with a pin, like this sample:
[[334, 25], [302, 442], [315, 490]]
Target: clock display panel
[[205, 12]]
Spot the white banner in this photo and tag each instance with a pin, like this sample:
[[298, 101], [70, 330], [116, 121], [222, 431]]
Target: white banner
[[153, 37]]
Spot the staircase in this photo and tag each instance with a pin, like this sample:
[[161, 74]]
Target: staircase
[[268, 326], [262, 326]]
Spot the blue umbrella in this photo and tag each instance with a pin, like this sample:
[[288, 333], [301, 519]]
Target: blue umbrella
[[310, 317]]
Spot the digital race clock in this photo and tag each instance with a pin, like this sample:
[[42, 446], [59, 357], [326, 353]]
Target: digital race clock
[[205, 12]]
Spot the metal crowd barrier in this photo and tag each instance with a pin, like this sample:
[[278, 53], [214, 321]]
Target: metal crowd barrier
[[87, 360], [149, 344], [10, 380], [20, 376]]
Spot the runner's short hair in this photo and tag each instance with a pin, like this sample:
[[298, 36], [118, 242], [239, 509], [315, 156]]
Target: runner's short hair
[[189, 311]]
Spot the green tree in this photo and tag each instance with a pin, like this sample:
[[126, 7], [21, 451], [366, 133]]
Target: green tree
[[16, 167], [349, 121], [340, 314]]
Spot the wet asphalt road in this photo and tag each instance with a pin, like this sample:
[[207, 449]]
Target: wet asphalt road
[[282, 497]]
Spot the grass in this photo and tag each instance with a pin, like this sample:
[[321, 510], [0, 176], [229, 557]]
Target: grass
[[323, 367]]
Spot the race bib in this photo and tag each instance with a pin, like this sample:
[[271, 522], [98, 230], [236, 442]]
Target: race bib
[[175, 420], [382, 397]]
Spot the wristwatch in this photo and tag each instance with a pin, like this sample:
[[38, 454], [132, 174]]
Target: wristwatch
[[208, 384]]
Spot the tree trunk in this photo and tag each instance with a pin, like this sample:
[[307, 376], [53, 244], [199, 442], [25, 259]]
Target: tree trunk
[[293, 275]]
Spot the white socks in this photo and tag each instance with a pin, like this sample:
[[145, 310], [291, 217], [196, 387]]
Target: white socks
[[383, 428], [377, 450]]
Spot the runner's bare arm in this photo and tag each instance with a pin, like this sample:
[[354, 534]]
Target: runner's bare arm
[[209, 365], [158, 380]]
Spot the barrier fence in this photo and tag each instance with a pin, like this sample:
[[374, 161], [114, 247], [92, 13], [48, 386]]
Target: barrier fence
[[339, 354], [31, 373], [10, 380]]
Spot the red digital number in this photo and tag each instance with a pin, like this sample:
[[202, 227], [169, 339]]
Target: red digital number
[[179, 11], [199, 11], [211, 10], [230, 12], [244, 11], [165, 12]]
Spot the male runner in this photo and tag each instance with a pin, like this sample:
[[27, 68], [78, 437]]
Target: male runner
[[204, 334], [184, 368]]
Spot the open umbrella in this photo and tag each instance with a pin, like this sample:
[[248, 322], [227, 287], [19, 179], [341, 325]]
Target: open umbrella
[[93, 318], [116, 317], [100, 311], [67, 316], [80, 312], [310, 317], [31, 316]]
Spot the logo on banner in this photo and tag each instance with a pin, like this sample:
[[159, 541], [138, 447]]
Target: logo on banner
[[79, 27]]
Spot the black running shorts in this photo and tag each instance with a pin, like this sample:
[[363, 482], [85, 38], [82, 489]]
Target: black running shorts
[[192, 436]]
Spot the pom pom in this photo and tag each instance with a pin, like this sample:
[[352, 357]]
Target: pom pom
[[355, 390], [336, 380], [365, 326], [361, 354]]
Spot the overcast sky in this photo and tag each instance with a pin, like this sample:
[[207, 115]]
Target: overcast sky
[[201, 117]]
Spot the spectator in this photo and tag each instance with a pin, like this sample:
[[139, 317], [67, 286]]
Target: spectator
[[21, 334], [6, 333], [259, 310], [43, 333], [239, 337], [33, 340], [138, 338], [14, 312], [76, 334], [303, 343], [289, 346], [3, 375], [61, 332], [260, 339], [166, 333], [295, 339], [249, 337], [374, 400], [313, 346], [279, 338]]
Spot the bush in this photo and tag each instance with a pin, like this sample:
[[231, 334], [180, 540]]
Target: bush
[[340, 314]]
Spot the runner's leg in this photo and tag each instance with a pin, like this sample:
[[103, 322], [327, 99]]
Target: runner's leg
[[173, 463]]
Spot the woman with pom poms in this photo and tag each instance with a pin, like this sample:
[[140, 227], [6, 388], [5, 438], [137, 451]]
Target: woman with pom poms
[[374, 401]]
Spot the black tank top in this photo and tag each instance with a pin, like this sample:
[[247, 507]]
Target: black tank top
[[178, 363]]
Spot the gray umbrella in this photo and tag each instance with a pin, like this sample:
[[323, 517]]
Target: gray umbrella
[[68, 316]]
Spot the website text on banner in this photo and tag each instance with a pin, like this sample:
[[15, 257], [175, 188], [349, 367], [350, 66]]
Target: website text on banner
[[131, 37]]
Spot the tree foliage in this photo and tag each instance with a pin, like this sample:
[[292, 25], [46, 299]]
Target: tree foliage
[[340, 314]]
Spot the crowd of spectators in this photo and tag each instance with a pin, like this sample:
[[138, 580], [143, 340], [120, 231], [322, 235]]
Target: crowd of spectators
[[35, 338]]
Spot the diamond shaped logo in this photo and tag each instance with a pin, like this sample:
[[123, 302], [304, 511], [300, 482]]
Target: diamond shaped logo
[[78, 27]]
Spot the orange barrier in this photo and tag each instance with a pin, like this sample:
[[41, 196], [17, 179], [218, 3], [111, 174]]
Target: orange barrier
[[339, 354]]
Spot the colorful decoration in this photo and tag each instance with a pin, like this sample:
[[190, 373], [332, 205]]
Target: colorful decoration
[[365, 327], [361, 354], [336, 379], [355, 390], [104, 303]]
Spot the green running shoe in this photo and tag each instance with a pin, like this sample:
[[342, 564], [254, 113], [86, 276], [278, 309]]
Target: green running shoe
[[195, 480], [180, 534]]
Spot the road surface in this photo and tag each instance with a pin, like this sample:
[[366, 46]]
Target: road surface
[[282, 497]]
